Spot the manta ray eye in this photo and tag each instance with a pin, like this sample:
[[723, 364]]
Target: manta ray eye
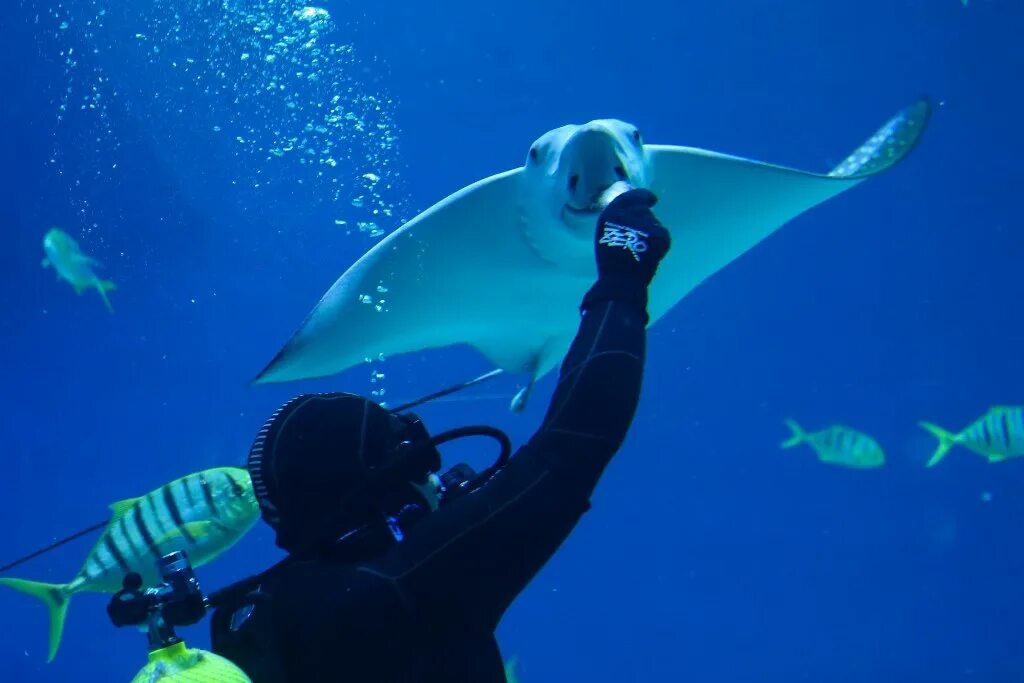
[[636, 135], [621, 172], [534, 154], [574, 180]]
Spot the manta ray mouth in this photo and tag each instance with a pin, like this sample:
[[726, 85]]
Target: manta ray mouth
[[591, 211], [600, 200]]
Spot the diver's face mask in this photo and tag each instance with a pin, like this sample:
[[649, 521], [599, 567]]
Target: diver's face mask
[[416, 460], [410, 470]]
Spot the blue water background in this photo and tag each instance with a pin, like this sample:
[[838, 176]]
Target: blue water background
[[709, 555]]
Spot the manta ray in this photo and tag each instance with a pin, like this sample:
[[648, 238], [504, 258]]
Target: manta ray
[[502, 265]]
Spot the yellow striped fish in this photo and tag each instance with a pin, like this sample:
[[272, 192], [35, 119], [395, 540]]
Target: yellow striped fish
[[203, 514], [68, 261], [996, 435], [839, 445]]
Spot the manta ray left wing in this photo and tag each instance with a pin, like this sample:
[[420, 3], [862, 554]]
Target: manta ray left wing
[[460, 272]]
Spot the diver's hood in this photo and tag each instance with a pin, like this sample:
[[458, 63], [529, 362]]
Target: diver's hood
[[318, 463], [336, 466]]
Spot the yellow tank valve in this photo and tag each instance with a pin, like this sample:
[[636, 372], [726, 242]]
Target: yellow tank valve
[[179, 664]]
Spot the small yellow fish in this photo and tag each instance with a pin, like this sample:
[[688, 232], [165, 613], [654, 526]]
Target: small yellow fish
[[203, 514], [839, 445], [996, 435], [67, 259]]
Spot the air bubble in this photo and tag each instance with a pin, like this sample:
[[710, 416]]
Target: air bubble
[[272, 73]]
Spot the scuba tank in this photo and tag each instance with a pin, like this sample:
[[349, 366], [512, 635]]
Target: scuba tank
[[176, 602]]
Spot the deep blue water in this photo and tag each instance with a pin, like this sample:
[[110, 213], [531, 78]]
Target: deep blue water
[[709, 555]]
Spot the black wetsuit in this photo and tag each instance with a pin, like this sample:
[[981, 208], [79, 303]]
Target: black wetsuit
[[426, 609]]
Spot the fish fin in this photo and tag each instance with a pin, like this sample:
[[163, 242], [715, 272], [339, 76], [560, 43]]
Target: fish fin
[[122, 506], [193, 530], [56, 598], [88, 260], [104, 286], [798, 437], [510, 669], [996, 457], [946, 441], [202, 529]]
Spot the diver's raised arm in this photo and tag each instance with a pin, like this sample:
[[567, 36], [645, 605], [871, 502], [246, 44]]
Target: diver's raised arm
[[599, 381], [472, 557]]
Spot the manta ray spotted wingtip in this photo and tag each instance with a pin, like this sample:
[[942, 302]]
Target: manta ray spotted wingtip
[[889, 145]]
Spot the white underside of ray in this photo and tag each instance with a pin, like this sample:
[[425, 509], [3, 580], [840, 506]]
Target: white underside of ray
[[718, 207], [467, 271], [450, 274]]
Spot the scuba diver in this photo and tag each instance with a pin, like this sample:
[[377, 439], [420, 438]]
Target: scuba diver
[[397, 572]]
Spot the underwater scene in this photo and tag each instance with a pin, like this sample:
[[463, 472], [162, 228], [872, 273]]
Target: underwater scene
[[212, 207]]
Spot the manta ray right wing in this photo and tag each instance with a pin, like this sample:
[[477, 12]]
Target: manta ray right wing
[[719, 206]]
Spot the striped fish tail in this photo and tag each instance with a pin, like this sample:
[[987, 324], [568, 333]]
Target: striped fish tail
[[946, 441], [798, 437], [56, 598]]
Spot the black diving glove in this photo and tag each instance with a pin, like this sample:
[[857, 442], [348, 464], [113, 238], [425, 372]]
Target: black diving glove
[[629, 244]]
